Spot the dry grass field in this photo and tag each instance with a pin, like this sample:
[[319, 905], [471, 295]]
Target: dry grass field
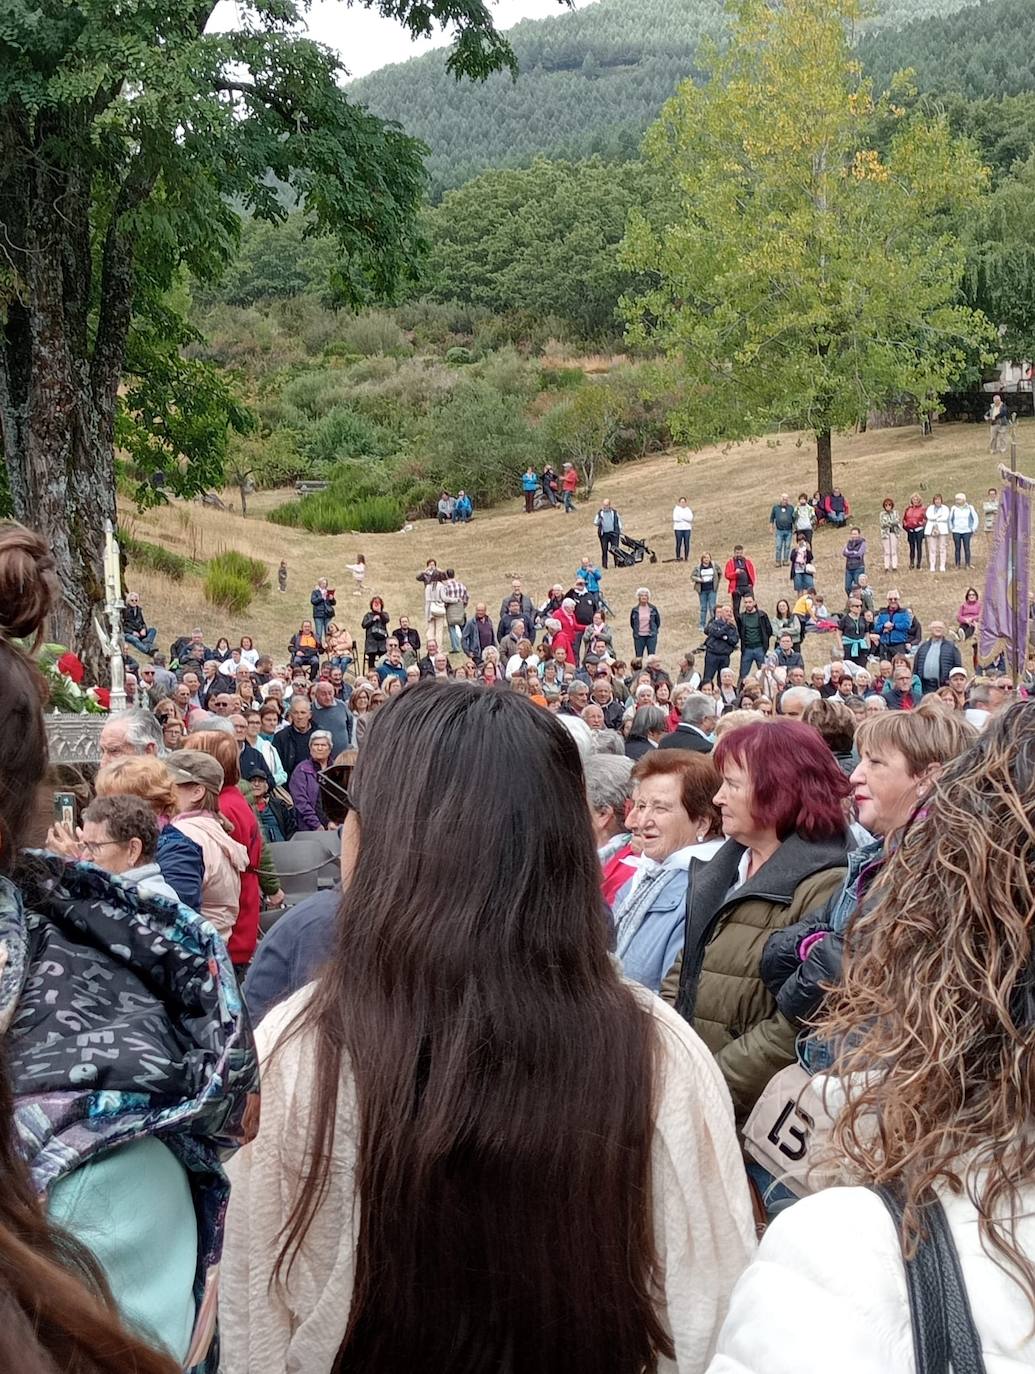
[[731, 492]]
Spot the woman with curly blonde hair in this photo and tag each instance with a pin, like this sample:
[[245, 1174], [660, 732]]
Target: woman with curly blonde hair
[[936, 1023]]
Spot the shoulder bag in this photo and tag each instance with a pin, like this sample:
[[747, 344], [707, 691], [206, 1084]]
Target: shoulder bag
[[944, 1335]]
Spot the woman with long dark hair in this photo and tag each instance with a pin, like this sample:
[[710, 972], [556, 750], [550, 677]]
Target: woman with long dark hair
[[125, 1059], [481, 1150], [935, 1020]]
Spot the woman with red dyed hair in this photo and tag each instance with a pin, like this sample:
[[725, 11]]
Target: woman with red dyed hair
[[782, 807]]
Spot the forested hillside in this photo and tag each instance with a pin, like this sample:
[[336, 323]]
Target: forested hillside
[[592, 81]]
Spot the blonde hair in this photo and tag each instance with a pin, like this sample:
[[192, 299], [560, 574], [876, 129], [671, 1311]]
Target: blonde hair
[[930, 734], [144, 777], [732, 720]]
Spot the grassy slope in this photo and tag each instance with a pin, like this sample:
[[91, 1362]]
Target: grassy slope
[[731, 493]]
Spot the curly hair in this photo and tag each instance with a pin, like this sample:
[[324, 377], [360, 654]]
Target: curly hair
[[939, 992]]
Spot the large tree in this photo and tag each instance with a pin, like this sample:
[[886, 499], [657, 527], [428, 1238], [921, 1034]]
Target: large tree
[[131, 141], [799, 276]]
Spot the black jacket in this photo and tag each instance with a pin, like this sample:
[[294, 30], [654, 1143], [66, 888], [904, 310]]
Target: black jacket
[[720, 638], [133, 622], [686, 737], [586, 607], [634, 619], [292, 746], [323, 606], [765, 627], [800, 986], [636, 746], [375, 623], [950, 658]]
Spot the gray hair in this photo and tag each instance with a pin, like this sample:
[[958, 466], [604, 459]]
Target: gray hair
[[643, 591], [648, 720], [979, 694], [580, 733], [697, 708], [142, 729], [608, 782], [806, 695], [322, 734], [204, 720], [609, 743]]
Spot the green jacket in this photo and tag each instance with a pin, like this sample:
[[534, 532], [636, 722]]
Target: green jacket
[[716, 985]]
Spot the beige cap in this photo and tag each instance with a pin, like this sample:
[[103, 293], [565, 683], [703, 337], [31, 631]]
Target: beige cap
[[194, 765]]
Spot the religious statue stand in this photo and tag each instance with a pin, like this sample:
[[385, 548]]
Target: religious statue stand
[[111, 642]]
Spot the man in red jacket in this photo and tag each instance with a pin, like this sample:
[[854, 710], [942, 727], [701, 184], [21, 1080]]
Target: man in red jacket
[[569, 482], [740, 577]]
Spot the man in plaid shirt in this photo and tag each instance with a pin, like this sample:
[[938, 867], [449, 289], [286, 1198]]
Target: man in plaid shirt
[[455, 595]]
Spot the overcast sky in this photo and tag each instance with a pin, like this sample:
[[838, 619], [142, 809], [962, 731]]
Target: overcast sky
[[366, 41]]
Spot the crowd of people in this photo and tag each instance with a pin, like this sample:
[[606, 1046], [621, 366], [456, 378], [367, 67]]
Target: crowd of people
[[632, 958]]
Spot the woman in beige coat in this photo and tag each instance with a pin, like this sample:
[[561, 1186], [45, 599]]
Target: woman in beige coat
[[481, 1149]]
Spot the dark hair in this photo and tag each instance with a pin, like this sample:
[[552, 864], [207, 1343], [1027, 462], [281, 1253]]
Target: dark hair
[[127, 818], [28, 588], [503, 1198], [795, 783], [834, 722]]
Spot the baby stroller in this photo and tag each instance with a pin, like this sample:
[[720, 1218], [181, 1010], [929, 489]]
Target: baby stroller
[[632, 551]]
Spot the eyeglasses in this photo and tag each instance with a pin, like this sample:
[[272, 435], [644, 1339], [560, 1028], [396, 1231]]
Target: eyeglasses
[[92, 846]]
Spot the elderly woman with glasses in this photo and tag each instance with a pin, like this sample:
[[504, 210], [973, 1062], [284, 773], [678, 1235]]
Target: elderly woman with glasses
[[304, 783]]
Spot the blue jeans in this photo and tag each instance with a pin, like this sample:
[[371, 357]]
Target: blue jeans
[[707, 597], [320, 626], [569, 502], [683, 544], [961, 543], [803, 582], [146, 645], [644, 644], [342, 661], [455, 638], [749, 656], [852, 576], [783, 546]]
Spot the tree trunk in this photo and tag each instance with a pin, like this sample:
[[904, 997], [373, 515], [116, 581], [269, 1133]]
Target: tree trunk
[[57, 395], [824, 462]]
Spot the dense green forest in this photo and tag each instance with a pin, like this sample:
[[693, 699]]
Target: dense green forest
[[524, 274], [592, 81]]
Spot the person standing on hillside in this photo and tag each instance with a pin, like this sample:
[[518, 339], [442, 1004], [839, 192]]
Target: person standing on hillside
[[530, 485], [609, 530], [740, 577], [682, 528], [998, 418], [569, 483], [781, 521], [282, 576], [455, 597], [324, 605]]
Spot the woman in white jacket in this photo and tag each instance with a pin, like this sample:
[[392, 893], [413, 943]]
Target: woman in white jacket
[[682, 528], [480, 1149], [939, 991], [936, 532]]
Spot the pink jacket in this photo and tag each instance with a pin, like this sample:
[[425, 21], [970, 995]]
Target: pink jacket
[[225, 861]]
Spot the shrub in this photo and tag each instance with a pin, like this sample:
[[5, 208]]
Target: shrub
[[339, 512], [459, 357], [561, 378], [315, 393], [372, 332], [251, 570], [227, 589], [342, 434], [140, 554], [479, 440]]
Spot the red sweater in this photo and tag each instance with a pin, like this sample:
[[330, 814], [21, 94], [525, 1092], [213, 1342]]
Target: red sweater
[[245, 831]]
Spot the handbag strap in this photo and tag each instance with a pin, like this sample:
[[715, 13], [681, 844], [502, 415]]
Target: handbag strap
[[944, 1335]]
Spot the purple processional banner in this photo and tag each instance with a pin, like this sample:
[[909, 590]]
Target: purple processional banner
[[1005, 608]]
